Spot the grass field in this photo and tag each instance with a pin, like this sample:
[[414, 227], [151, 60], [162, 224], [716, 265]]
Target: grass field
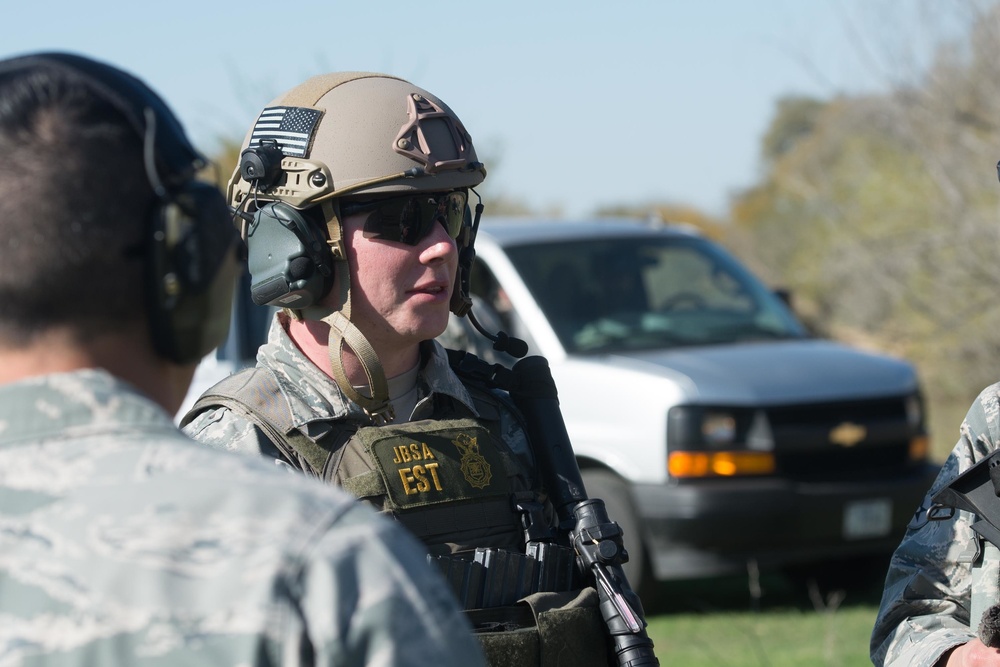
[[718, 623]]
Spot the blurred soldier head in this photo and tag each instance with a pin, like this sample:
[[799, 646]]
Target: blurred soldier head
[[353, 194], [105, 231]]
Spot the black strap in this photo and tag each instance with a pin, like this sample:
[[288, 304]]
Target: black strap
[[472, 369]]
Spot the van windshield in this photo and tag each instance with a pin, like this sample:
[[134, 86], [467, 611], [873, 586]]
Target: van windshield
[[647, 292]]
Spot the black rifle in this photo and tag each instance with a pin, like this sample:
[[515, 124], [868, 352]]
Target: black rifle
[[596, 539], [977, 490]]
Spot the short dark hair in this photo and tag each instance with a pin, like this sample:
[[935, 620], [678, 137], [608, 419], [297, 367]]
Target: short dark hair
[[74, 203]]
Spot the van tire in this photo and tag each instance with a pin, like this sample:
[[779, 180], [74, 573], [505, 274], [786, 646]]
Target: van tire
[[614, 491]]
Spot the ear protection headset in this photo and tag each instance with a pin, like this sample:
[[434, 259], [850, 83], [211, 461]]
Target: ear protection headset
[[368, 134], [288, 257], [190, 254], [289, 261]]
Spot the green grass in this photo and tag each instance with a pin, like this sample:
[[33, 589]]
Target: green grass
[[718, 623], [772, 638]]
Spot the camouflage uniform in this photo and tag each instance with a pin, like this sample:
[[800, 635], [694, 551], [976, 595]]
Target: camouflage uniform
[[942, 576], [121, 542], [318, 407], [314, 397]]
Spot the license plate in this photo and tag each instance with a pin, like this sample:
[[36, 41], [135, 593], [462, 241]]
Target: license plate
[[867, 518]]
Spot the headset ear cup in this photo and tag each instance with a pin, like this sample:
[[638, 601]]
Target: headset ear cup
[[190, 260], [191, 272], [290, 263]]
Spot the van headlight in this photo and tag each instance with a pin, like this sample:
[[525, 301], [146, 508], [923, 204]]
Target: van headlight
[[920, 444], [718, 442], [718, 428], [914, 411]]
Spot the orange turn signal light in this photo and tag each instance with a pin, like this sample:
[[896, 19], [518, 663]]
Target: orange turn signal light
[[720, 464], [920, 447]]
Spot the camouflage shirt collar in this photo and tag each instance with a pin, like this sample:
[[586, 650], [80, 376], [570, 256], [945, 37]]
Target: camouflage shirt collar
[[436, 377], [75, 404], [314, 398]]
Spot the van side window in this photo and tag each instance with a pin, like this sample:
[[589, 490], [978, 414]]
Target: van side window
[[483, 284]]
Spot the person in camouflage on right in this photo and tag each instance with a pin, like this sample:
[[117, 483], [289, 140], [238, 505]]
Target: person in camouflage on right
[[943, 576]]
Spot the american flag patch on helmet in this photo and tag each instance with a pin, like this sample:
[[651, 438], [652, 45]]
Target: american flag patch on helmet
[[292, 128]]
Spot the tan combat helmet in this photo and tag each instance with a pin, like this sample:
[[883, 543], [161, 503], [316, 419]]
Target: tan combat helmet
[[346, 134]]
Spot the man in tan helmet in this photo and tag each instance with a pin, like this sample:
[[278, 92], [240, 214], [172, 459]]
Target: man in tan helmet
[[352, 194]]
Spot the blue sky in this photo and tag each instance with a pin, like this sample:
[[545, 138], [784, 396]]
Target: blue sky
[[580, 104]]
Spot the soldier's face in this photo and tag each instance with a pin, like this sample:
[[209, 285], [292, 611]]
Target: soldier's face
[[400, 293]]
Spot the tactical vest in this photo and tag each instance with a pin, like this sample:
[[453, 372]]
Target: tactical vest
[[451, 480]]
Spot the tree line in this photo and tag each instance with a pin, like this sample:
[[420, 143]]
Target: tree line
[[882, 212]]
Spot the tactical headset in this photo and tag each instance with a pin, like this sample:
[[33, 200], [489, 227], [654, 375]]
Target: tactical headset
[[190, 256], [284, 192], [290, 265], [288, 257], [302, 145]]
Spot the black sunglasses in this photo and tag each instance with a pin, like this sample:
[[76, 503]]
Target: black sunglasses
[[410, 218]]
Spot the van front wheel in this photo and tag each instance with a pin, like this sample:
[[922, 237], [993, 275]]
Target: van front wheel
[[614, 491]]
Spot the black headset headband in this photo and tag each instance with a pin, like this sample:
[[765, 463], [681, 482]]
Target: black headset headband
[[191, 260], [176, 157]]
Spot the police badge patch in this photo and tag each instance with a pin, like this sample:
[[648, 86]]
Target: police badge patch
[[475, 468]]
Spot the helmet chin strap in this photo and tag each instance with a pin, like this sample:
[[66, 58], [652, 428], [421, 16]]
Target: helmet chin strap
[[343, 331]]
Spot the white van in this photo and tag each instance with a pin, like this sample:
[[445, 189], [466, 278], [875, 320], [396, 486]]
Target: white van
[[716, 429]]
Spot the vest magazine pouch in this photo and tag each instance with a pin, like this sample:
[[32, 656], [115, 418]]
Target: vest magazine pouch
[[488, 577], [519, 647], [571, 630], [501, 619], [545, 629]]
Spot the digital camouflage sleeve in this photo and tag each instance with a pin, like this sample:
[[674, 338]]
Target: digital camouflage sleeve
[[929, 590], [123, 543]]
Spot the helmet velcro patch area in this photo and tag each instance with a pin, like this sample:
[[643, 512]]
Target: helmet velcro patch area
[[291, 128]]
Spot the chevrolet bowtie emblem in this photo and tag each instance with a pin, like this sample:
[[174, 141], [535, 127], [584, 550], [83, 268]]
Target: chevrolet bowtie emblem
[[848, 434]]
